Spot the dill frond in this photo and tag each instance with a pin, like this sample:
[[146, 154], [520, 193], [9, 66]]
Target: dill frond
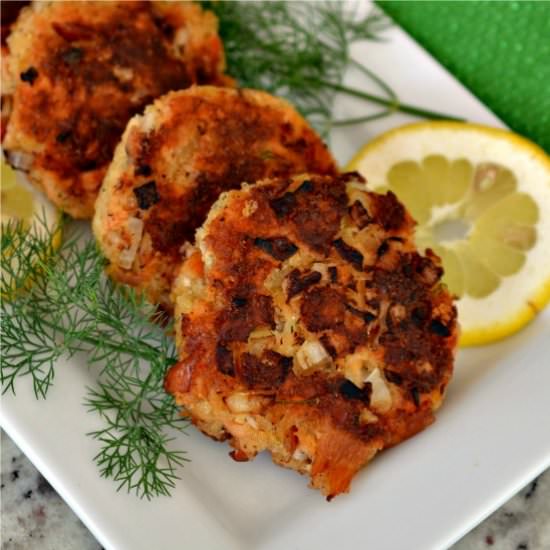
[[58, 304], [301, 50], [286, 47]]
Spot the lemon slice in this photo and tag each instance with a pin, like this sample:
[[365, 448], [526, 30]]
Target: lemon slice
[[481, 197], [22, 203]]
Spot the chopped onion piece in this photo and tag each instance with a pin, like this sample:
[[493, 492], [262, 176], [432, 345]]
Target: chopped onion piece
[[242, 402], [380, 399], [259, 333], [300, 455], [202, 409], [251, 421], [367, 417], [274, 281], [181, 39], [359, 365], [135, 229], [358, 185], [311, 356]]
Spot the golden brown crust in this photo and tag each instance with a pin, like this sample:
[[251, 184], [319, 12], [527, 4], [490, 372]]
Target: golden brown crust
[[174, 162], [81, 70], [308, 325]]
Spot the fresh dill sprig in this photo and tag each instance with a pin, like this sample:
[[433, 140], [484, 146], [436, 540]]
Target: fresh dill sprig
[[58, 303], [301, 50]]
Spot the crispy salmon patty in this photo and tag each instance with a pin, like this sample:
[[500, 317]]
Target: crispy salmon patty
[[173, 163], [308, 325], [78, 71]]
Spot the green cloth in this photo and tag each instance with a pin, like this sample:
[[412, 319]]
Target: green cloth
[[499, 50]]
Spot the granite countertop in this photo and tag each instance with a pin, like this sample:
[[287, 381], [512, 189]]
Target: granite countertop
[[34, 517]]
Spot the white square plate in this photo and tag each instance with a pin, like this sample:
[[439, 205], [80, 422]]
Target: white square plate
[[491, 436]]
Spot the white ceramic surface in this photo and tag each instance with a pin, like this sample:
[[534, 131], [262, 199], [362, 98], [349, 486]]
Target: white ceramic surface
[[491, 436]]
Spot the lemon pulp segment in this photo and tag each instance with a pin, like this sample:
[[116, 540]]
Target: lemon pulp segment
[[17, 202]]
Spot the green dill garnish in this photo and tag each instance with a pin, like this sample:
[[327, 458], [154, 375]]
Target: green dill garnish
[[301, 50], [58, 304]]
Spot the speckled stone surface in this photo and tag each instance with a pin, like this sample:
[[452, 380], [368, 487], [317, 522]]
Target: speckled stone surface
[[35, 518], [523, 523]]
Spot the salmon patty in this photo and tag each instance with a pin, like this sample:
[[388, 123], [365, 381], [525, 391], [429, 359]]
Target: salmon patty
[[78, 71], [173, 163], [308, 325]]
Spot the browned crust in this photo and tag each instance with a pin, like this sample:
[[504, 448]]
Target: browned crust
[[83, 69], [203, 141], [386, 300]]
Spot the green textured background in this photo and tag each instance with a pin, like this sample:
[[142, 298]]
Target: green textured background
[[499, 50]]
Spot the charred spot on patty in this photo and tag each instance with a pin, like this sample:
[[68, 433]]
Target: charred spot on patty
[[366, 316], [305, 187], [359, 215], [325, 308], [143, 170], [405, 284], [72, 55], [298, 283], [239, 301], [30, 75], [382, 249], [63, 136], [350, 254], [437, 327], [147, 195], [390, 213], [224, 360], [420, 314], [165, 28], [87, 164], [284, 205], [408, 351], [238, 323], [428, 271], [322, 309], [350, 391], [327, 344], [268, 371], [71, 31], [279, 248], [393, 377], [166, 235], [314, 210], [415, 394]]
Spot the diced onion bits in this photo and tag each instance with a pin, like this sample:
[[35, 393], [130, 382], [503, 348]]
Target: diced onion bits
[[310, 357], [380, 399], [135, 230]]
